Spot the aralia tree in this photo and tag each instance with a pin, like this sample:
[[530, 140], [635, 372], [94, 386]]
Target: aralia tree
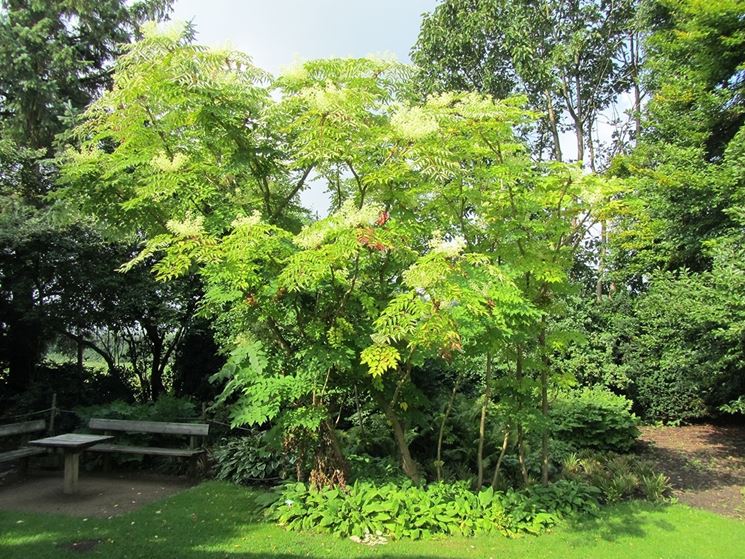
[[445, 236]]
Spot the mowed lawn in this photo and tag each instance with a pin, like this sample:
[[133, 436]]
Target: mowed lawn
[[215, 520]]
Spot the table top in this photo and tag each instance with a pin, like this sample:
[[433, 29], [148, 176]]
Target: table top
[[71, 441]]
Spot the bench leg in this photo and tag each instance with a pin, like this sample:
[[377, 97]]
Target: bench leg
[[23, 467], [72, 465]]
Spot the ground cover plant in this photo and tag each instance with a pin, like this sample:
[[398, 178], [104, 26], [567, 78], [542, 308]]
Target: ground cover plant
[[408, 511]]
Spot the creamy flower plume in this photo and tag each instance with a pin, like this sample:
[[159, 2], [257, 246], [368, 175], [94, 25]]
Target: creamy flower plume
[[413, 123]]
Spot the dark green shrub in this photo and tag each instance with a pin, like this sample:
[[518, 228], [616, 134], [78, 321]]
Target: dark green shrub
[[166, 408], [594, 418], [372, 468], [250, 459], [92, 387], [410, 511]]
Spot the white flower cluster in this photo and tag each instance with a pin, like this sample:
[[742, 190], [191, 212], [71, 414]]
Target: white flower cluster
[[189, 227], [354, 217], [448, 247], [173, 30], [412, 123], [311, 237], [442, 100], [479, 107], [348, 216], [247, 221], [164, 163], [295, 71], [325, 99]]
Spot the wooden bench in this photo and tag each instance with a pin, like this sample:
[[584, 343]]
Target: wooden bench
[[192, 430], [23, 452]]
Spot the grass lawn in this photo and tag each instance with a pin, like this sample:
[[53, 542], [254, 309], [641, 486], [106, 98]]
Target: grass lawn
[[214, 521]]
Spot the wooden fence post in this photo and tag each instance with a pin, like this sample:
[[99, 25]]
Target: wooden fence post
[[53, 413]]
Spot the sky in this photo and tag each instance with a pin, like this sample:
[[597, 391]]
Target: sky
[[276, 32]]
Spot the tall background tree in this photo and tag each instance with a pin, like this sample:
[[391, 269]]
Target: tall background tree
[[677, 222], [571, 59], [55, 58]]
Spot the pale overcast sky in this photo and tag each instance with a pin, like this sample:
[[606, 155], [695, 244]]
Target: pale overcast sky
[[275, 32]]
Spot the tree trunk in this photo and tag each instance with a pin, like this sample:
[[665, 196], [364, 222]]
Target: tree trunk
[[505, 444], [24, 339], [544, 434], [407, 462], [579, 130], [440, 435], [591, 147], [634, 48], [520, 438], [553, 126], [521, 454], [156, 372], [482, 422], [156, 364], [601, 261], [330, 467], [579, 117], [544, 404], [80, 348]]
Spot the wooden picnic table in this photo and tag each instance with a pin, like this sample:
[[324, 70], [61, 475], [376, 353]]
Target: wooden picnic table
[[72, 444]]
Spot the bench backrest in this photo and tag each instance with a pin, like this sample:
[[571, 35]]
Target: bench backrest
[[159, 427], [22, 427]]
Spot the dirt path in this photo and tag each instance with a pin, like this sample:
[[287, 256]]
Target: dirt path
[[102, 495], [705, 463]]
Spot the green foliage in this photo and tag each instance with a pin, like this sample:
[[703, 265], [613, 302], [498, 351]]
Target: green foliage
[[595, 419], [655, 487], [249, 459], [92, 387], [735, 406], [314, 314], [690, 342], [185, 155], [410, 511]]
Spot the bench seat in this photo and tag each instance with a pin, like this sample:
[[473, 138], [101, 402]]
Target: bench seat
[[151, 450], [20, 453]]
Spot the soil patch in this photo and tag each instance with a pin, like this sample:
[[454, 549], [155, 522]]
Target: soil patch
[[101, 495], [705, 463]]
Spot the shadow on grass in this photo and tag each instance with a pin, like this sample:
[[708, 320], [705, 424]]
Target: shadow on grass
[[631, 519]]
